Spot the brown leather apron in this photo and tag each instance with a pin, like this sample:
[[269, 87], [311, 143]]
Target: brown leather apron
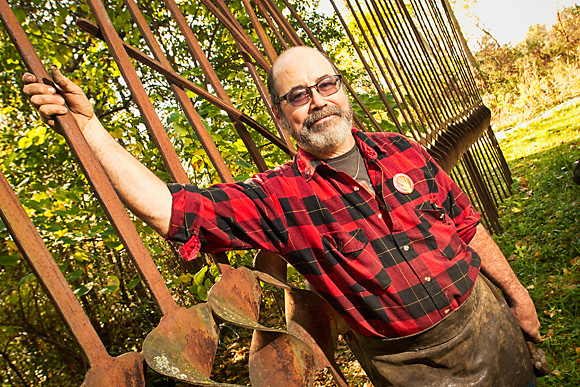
[[479, 344]]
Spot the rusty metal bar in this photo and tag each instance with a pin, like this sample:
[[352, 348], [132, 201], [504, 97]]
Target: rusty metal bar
[[95, 174], [199, 56], [472, 85], [229, 21], [370, 72], [401, 102], [506, 178], [443, 70], [104, 370], [483, 192], [94, 30], [181, 96], [287, 29], [408, 59], [264, 13], [266, 44], [403, 73], [151, 120], [444, 37]]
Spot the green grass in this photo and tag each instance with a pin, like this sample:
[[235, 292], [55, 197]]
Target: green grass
[[541, 235]]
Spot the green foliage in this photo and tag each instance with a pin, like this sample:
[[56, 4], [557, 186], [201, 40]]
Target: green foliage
[[536, 74], [35, 347], [541, 232]]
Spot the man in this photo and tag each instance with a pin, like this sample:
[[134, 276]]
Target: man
[[369, 219]]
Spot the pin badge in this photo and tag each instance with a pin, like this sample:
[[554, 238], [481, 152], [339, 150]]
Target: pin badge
[[403, 183]]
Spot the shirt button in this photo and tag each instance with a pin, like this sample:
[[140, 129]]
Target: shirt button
[[427, 279], [406, 247], [380, 216], [355, 189]]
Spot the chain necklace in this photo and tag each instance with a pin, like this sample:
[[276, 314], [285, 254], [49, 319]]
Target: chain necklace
[[357, 163]]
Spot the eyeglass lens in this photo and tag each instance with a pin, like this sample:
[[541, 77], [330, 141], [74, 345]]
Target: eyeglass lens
[[325, 87]]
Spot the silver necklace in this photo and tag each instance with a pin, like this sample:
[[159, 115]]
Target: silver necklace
[[358, 157]]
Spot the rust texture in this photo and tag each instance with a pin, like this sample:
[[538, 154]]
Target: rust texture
[[419, 72]]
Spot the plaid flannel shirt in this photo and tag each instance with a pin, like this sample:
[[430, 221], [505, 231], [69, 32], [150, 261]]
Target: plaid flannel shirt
[[392, 264]]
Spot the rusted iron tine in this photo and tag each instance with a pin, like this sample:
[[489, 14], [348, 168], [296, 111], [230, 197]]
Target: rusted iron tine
[[238, 33], [180, 328], [399, 44], [472, 85], [402, 108], [291, 35], [181, 96], [370, 72], [125, 370], [94, 30], [262, 11], [444, 49], [197, 52], [492, 168], [266, 44], [345, 82], [418, 103], [451, 63], [424, 54], [506, 178]]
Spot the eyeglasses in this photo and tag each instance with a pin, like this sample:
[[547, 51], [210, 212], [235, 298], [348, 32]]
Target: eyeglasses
[[301, 95]]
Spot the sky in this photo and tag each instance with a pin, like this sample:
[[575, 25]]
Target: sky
[[507, 20]]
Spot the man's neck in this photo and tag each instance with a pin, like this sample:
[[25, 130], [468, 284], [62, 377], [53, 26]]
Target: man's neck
[[336, 151]]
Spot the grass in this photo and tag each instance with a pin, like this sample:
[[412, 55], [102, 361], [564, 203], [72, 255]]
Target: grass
[[541, 239], [541, 235]]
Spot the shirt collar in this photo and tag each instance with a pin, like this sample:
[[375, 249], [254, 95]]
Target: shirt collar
[[307, 163]]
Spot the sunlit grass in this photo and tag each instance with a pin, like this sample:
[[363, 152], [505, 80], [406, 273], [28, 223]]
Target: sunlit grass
[[541, 235]]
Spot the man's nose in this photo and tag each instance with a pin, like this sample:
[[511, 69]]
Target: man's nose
[[317, 100]]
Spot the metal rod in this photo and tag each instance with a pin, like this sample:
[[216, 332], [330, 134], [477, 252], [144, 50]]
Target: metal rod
[[94, 30]]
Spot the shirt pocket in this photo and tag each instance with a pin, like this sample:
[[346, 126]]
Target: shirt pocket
[[438, 230], [354, 261]]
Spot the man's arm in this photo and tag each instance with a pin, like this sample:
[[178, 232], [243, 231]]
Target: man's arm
[[139, 189], [495, 266]]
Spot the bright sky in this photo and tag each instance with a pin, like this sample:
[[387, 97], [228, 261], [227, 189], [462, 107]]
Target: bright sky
[[507, 20]]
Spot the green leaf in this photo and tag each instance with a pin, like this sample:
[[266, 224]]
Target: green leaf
[[83, 289], [112, 285], [134, 282], [9, 260], [70, 277], [200, 275]]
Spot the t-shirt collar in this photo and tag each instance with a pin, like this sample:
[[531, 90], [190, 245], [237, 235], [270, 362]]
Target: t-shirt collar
[[307, 163]]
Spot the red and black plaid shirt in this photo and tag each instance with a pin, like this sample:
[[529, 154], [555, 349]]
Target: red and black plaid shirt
[[392, 264]]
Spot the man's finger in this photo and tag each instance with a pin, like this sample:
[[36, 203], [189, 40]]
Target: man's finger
[[28, 78]]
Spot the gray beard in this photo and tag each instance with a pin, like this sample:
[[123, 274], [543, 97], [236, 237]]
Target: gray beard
[[324, 137]]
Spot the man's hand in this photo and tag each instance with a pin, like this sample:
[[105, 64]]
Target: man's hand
[[497, 269], [524, 311], [51, 102]]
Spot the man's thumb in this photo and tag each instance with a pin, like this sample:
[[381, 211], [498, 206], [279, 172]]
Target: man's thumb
[[62, 81]]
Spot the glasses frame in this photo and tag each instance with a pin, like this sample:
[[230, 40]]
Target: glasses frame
[[337, 78]]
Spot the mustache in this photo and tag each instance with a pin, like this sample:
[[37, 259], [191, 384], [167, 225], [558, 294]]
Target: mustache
[[320, 114]]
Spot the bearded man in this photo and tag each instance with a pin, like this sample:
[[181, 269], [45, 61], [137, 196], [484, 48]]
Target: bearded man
[[370, 220]]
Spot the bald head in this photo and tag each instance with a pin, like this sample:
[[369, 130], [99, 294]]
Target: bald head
[[294, 59]]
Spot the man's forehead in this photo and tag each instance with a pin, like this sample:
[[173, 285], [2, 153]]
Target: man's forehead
[[301, 64]]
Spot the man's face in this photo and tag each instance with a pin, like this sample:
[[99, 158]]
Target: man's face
[[324, 123]]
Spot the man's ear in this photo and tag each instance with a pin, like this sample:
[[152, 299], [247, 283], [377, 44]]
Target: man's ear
[[277, 114]]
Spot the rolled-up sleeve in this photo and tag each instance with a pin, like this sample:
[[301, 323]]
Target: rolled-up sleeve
[[224, 217]]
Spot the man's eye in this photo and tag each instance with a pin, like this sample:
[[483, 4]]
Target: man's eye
[[298, 95], [326, 84]]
